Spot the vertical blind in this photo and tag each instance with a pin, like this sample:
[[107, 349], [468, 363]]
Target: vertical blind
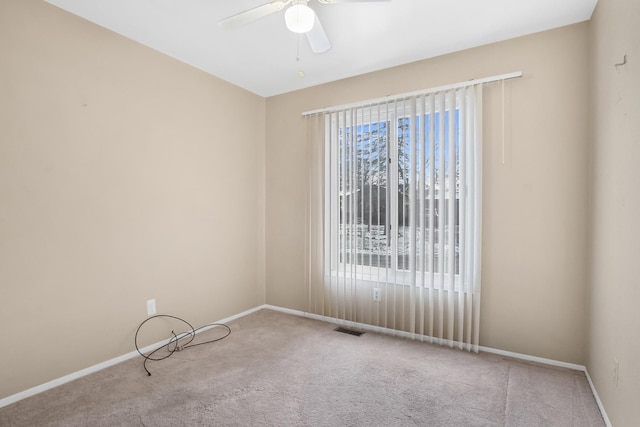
[[395, 203]]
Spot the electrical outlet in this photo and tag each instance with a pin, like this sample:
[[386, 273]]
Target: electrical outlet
[[151, 307], [616, 371], [377, 294]]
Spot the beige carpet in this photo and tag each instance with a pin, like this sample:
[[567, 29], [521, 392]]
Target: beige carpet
[[281, 370]]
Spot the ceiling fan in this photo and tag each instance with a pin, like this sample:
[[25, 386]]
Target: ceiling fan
[[298, 17]]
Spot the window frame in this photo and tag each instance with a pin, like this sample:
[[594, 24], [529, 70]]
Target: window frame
[[391, 274]]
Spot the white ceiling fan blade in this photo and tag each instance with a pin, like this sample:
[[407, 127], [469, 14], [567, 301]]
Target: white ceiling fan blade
[[242, 18], [318, 38]]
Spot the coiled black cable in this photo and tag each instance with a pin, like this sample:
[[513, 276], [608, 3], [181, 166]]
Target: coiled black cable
[[173, 345]]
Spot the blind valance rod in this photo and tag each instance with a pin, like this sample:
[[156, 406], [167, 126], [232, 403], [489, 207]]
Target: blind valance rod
[[473, 82]]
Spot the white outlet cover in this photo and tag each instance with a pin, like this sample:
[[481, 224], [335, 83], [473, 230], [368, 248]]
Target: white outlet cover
[[151, 307]]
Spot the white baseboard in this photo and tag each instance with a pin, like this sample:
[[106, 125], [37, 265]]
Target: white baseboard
[[100, 366], [526, 357], [409, 335], [529, 358], [598, 401]]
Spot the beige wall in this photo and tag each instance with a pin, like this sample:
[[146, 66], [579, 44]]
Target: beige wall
[[111, 156], [124, 175], [615, 233], [535, 223]]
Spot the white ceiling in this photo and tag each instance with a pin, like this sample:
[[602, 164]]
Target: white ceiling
[[365, 36]]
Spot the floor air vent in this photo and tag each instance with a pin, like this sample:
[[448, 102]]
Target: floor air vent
[[348, 331]]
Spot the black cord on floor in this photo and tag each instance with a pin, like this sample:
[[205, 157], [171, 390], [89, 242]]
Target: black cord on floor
[[174, 343]]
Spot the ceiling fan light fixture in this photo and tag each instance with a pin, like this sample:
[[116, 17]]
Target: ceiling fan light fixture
[[299, 18]]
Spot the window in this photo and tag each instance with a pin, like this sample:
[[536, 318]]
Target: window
[[393, 190]]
